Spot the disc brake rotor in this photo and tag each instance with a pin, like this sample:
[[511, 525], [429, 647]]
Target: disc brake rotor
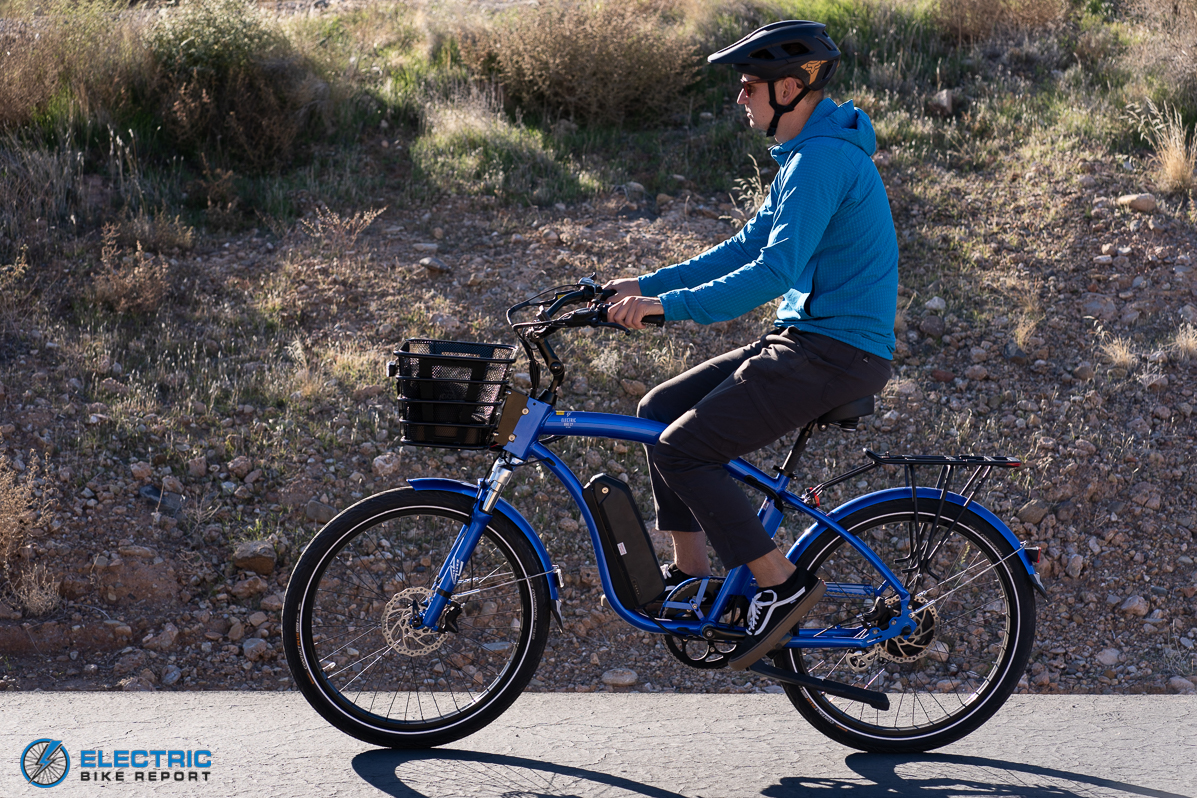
[[397, 624], [910, 648]]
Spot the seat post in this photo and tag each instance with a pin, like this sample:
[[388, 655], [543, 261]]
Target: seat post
[[799, 447]]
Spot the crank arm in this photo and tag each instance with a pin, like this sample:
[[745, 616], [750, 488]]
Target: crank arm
[[872, 698]]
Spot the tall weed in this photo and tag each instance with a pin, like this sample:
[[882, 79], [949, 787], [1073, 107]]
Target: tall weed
[[1175, 148], [972, 20]]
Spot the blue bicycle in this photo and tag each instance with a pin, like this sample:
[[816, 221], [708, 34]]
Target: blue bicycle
[[418, 615]]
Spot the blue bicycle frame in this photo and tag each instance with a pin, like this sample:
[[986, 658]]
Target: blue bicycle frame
[[523, 446]]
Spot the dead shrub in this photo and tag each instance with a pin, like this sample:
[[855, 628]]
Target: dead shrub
[[1184, 343], [597, 63], [134, 283], [338, 232], [36, 590], [29, 74], [1167, 48], [158, 233], [977, 20], [24, 497]]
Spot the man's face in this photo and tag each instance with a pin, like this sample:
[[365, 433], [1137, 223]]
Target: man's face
[[754, 96]]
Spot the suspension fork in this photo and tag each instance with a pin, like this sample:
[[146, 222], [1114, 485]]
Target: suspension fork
[[489, 491]]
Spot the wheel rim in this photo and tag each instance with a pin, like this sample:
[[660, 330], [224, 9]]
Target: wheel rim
[[359, 657], [952, 663]]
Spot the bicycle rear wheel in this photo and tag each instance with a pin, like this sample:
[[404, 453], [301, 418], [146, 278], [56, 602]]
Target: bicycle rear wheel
[[976, 628], [364, 669]]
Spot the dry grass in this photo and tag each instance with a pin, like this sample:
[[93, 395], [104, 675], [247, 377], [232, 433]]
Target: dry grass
[[596, 63], [337, 232], [974, 20], [1165, 46], [1175, 148], [24, 496], [1119, 353], [1184, 343], [134, 283]]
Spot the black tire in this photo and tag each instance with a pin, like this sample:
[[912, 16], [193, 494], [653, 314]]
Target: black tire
[[959, 667], [405, 690]]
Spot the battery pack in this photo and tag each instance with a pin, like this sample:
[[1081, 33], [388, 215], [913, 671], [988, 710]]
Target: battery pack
[[627, 548]]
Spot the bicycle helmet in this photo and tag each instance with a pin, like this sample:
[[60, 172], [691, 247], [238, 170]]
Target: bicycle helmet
[[792, 48]]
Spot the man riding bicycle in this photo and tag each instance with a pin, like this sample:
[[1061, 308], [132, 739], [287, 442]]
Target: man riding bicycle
[[824, 242]]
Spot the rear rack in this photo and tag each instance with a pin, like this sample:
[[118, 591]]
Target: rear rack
[[925, 541]]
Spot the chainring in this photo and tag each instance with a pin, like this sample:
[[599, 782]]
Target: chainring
[[397, 628], [697, 652]]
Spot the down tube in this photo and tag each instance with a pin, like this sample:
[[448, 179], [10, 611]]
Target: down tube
[[571, 483]]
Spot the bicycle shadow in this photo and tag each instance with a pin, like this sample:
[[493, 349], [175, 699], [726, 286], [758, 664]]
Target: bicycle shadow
[[943, 775], [446, 774]]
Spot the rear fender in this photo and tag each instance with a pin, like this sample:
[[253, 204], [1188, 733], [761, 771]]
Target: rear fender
[[932, 496]]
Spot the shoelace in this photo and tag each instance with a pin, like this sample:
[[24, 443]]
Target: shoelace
[[758, 605]]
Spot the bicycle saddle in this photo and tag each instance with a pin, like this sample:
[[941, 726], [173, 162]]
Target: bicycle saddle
[[847, 416]]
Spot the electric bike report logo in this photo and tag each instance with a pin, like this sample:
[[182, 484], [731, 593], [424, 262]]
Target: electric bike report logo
[[45, 763]]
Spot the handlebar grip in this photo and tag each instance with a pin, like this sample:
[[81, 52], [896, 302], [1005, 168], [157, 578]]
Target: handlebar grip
[[656, 320]]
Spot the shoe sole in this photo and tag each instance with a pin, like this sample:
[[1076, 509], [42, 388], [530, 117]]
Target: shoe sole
[[743, 662]]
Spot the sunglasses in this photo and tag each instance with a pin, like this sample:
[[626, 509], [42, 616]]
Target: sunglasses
[[748, 86]]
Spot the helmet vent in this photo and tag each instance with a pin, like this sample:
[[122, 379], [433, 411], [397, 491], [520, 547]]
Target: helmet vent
[[795, 48], [762, 55]]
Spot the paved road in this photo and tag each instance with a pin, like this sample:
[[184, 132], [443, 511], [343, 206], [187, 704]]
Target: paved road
[[612, 746]]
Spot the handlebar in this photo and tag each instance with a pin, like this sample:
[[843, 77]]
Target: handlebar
[[534, 334]]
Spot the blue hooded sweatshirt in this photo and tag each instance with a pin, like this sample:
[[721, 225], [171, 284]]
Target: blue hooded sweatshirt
[[823, 240]]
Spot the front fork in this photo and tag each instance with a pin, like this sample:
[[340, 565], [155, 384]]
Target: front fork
[[489, 491]]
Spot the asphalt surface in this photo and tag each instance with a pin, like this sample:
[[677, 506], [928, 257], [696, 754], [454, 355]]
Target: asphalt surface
[[607, 745]]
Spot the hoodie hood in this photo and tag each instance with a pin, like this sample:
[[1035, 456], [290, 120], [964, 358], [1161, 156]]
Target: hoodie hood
[[844, 122]]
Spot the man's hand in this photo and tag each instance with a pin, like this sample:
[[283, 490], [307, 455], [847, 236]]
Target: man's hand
[[624, 287], [631, 309]]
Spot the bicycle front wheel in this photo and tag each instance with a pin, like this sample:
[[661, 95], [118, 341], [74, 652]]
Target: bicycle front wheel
[[364, 669], [976, 627]]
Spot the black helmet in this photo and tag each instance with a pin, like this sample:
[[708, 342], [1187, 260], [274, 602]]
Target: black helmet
[[785, 49]]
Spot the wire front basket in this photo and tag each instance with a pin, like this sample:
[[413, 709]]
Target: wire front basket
[[450, 391]]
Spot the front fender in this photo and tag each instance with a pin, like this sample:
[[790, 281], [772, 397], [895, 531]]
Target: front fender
[[932, 495], [503, 507]]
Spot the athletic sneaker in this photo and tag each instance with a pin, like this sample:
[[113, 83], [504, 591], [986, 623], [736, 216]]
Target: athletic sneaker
[[774, 611]]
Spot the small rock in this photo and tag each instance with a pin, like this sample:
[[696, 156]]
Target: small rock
[[936, 304], [258, 618], [129, 663], [320, 512], [248, 588], [1013, 352], [940, 375], [272, 603], [255, 649], [976, 372], [426, 247], [633, 388], [1033, 511], [141, 470], [1144, 203], [164, 640], [1099, 307], [978, 354], [170, 675], [942, 103], [386, 465], [1108, 657], [236, 631], [240, 466], [255, 555], [1084, 371], [1136, 606], [140, 552], [1180, 684], [664, 199], [435, 265], [620, 677], [1076, 564], [172, 484], [7, 613], [197, 467], [933, 326], [136, 684], [253, 476]]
